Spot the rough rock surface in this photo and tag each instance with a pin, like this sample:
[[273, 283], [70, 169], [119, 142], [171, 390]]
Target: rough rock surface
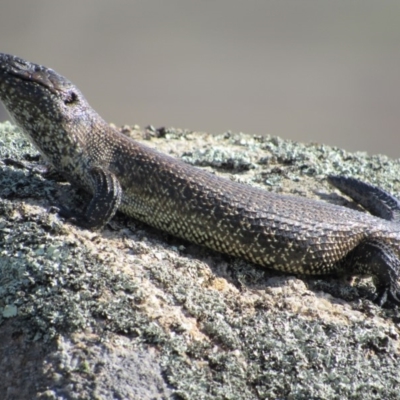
[[133, 313]]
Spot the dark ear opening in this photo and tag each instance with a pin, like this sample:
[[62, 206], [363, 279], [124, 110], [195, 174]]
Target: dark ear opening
[[70, 98]]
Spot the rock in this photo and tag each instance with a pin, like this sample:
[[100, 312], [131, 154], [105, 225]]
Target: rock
[[133, 313]]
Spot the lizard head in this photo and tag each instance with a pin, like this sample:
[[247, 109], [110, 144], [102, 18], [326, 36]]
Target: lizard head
[[48, 108]]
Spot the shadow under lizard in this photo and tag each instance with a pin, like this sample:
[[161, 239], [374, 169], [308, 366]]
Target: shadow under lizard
[[287, 233]]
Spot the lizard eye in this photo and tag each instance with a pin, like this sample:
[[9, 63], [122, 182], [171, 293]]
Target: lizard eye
[[70, 98]]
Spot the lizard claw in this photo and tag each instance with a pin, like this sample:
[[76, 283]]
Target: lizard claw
[[389, 294], [394, 294]]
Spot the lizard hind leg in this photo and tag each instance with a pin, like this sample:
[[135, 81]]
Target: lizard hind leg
[[377, 258]]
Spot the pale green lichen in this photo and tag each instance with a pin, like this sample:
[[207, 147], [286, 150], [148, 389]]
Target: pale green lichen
[[10, 310]]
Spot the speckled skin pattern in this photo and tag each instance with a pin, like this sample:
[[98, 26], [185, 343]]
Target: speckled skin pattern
[[291, 234]]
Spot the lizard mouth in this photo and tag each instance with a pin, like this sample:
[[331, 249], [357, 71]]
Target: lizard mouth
[[42, 78], [26, 71]]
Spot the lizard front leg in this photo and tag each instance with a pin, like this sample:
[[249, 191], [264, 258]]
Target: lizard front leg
[[104, 204]]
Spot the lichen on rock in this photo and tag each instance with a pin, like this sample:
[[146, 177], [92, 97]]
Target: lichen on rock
[[132, 312]]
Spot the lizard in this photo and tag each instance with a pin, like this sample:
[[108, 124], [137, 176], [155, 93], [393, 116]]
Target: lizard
[[287, 233]]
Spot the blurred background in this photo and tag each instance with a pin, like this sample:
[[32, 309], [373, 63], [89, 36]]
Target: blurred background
[[313, 71]]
